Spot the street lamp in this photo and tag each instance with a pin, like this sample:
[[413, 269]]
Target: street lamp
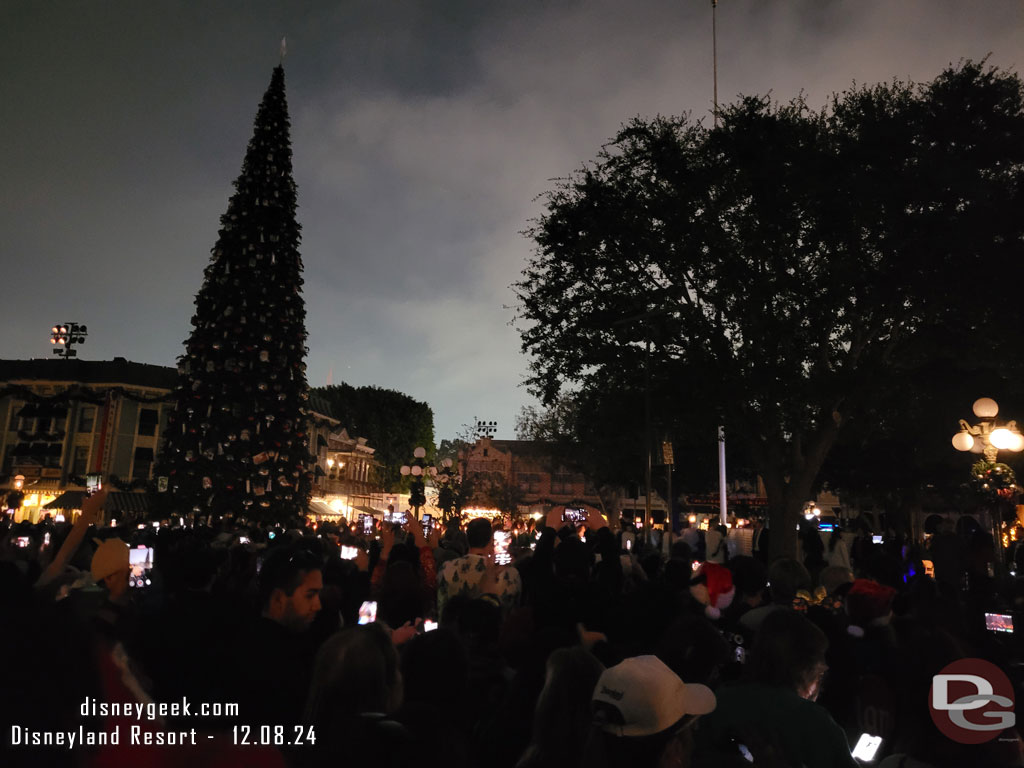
[[985, 437], [995, 479], [811, 510], [417, 498], [448, 483]]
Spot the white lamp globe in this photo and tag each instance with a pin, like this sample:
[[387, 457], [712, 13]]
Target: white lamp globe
[[446, 463], [404, 470], [417, 471], [1018, 442], [420, 452], [963, 441], [985, 408], [1002, 438]]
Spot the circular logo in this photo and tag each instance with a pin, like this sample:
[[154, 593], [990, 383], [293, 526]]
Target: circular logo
[[971, 701]]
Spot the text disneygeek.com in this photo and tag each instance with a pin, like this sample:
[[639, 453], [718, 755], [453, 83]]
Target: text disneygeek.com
[[122, 733]]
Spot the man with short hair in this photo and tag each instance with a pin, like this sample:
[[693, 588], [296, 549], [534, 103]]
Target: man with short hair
[[463, 575], [275, 667], [289, 589]]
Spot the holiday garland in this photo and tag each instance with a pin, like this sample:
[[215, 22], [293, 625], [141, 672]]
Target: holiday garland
[[79, 394], [994, 479]]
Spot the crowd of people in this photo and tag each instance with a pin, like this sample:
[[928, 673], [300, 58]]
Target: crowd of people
[[566, 644]]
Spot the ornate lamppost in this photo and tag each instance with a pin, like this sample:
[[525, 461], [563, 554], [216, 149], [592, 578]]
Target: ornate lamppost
[[449, 489], [992, 478], [417, 497]]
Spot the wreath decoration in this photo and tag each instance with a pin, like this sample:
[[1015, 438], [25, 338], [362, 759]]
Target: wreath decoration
[[994, 479]]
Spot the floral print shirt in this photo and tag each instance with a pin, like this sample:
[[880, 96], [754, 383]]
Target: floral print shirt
[[462, 576]]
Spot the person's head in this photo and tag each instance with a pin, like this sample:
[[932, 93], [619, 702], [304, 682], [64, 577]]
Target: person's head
[[435, 670], [694, 649], [561, 718], [289, 588], [572, 560], [110, 567], [479, 535], [869, 603], [788, 651], [642, 710], [750, 577], [402, 597], [786, 577], [355, 671], [834, 576]]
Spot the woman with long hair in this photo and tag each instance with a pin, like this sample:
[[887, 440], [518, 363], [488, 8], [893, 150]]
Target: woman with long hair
[[356, 686], [561, 718]]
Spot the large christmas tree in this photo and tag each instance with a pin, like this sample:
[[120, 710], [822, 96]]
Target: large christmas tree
[[237, 439]]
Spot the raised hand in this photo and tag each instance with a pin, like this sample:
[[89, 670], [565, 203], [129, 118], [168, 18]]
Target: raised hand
[[595, 520]]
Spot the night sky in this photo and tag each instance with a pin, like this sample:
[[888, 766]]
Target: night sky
[[422, 135]]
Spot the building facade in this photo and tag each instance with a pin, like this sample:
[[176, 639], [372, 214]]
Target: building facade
[[347, 481], [522, 474], [65, 420]]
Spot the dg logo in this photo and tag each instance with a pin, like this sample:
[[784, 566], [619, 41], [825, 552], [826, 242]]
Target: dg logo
[[971, 701]]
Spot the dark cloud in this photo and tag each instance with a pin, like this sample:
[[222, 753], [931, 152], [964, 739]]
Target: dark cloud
[[422, 135]]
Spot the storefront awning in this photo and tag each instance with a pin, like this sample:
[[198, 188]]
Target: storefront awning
[[117, 501], [319, 508], [126, 502], [67, 500], [368, 510]]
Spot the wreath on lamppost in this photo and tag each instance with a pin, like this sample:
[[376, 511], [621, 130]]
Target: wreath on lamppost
[[994, 479]]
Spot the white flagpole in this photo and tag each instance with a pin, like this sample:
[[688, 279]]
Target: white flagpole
[[721, 475]]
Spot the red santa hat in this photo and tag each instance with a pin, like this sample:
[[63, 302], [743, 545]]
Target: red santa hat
[[712, 585], [868, 602]]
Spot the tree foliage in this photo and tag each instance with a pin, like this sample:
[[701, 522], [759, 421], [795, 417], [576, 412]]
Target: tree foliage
[[791, 267], [394, 424]]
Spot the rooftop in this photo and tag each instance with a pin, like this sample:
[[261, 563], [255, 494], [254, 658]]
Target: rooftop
[[74, 371]]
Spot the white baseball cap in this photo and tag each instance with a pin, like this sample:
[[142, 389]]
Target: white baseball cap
[[650, 697]]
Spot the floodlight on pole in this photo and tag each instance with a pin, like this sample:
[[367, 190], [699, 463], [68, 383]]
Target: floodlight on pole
[[67, 335]]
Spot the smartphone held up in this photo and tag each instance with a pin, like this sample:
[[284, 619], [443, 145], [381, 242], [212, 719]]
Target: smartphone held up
[[368, 612], [501, 541]]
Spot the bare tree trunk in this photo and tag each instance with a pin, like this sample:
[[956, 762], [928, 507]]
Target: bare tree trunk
[[788, 484]]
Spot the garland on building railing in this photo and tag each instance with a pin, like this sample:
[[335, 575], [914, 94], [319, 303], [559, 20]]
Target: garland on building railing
[[79, 393]]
